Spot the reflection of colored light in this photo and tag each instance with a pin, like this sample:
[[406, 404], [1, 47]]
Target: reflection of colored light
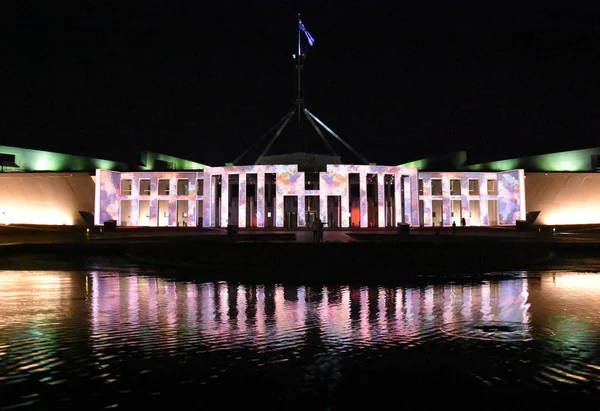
[[45, 290]]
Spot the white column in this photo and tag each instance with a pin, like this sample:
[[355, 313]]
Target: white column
[[208, 212], [427, 212], [522, 204], [398, 206], [224, 200], [323, 207], [364, 216], [260, 199], [414, 199], [346, 204], [446, 205], [464, 199], [381, 199], [242, 200], [301, 211]]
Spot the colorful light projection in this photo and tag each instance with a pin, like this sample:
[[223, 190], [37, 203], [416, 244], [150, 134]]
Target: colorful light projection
[[510, 197], [109, 197], [108, 186], [290, 182]]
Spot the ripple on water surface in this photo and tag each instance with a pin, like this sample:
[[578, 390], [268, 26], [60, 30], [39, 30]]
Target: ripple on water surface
[[126, 340]]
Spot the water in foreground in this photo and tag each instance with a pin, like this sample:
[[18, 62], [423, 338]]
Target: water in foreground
[[125, 340]]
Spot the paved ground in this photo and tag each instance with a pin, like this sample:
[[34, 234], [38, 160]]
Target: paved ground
[[61, 234]]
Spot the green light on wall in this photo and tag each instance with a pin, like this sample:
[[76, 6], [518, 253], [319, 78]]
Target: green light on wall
[[418, 164], [566, 161], [502, 165]]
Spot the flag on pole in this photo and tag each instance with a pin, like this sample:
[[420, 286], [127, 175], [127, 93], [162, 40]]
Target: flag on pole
[[310, 38]]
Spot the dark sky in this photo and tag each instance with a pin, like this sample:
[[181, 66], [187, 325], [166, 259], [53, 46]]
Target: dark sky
[[204, 81]]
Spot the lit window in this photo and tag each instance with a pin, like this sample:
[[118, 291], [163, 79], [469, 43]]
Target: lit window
[[182, 187], [163, 187], [125, 187], [144, 187], [474, 187], [454, 187], [492, 187], [436, 187]]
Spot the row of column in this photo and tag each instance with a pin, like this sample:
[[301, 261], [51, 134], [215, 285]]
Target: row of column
[[447, 201], [406, 211]]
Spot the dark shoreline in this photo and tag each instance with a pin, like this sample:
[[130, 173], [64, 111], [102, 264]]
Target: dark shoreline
[[401, 259]]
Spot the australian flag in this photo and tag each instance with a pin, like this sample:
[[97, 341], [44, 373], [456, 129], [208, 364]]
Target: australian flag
[[310, 38]]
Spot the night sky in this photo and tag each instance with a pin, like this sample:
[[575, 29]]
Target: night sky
[[192, 79]]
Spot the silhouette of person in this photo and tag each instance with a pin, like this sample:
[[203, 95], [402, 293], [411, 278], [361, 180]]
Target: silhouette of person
[[320, 228]]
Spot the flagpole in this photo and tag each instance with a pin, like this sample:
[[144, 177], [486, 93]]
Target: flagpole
[[299, 68]]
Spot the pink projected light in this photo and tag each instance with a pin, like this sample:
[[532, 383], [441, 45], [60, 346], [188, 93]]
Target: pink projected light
[[386, 196]]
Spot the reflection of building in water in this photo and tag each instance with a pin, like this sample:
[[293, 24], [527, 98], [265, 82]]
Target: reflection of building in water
[[224, 315], [579, 294], [49, 292], [35, 310]]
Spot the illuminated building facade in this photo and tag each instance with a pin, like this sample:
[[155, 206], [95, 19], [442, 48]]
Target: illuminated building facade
[[49, 188], [282, 196]]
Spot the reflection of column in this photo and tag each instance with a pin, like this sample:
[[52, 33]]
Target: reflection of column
[[172, 312], [223, 306], [192, 304], [260, 312], [364, 315], [381, 199], [448, 304], [467, 303], [486, 309], [224, 200], [382, 309], [281, 320], [208, 307], [133, 297], [364, 212], [241, 309], [301, 217], [242, 200], [260, 199], [152, 303], [428, 304]]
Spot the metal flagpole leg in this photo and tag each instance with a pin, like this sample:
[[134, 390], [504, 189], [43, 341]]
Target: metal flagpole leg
[[320, 133], [337, 137], [288, 117]]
